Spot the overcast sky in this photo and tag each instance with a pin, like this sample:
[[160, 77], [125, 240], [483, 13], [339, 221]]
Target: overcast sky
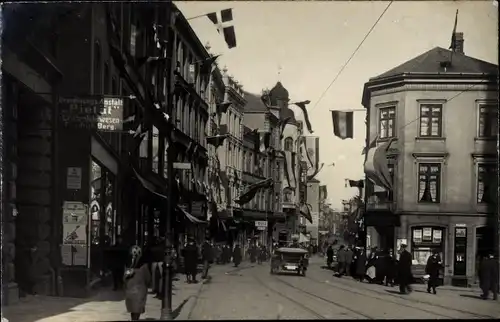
[[311, 41]]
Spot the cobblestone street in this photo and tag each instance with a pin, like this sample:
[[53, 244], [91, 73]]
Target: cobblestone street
[[255, 294], [250, 292]]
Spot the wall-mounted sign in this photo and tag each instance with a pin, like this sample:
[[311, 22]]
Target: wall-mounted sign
[[102, 113], [74, 178], [427, 234], [261, 223], [75, 221]]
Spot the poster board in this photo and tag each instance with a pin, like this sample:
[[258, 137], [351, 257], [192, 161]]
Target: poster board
[[74, 248]]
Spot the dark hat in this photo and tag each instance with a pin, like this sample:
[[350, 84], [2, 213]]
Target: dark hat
[[403, 245]]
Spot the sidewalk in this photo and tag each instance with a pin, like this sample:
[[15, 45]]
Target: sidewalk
[[107, 305]]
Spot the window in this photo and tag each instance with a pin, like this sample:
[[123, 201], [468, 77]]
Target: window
[[431, 120], [97, 69], [288, 144], [429, 179], [387, 120], [486, 182], [488, 121], [244, 161]]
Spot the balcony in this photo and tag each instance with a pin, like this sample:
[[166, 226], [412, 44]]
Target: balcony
[[380, 203]]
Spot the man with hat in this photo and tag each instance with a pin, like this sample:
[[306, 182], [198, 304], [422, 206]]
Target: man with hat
[[190, 253], [405, 275]]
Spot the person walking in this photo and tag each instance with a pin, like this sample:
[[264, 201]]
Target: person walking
[[361, 265], [348, 261], [432, 268], [207, 257], [329, 256], [341, 259], [237, 255], [190, 254], [136, 281], [405, 275], [488, 277], [390, 268]]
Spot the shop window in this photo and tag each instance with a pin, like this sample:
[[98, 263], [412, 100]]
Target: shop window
[[424, 241]]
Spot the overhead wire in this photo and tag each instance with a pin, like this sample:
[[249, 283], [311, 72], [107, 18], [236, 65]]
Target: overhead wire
[[351, 57]]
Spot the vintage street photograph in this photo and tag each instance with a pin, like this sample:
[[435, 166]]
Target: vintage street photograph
[[249, 160]]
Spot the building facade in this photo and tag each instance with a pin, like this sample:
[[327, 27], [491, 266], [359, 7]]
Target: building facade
[[96, 171], [441, 114]]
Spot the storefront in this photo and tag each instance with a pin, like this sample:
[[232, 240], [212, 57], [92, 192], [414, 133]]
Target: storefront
[[424, 241]]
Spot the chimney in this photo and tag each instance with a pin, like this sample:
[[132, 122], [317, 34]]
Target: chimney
[[459, 42]]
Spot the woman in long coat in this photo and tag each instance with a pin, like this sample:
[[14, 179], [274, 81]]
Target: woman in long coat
[[360, 265], [432, 268], [237, 255], [136, 281]]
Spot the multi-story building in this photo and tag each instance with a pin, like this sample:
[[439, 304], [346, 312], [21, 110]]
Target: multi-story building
[[70, 156], [313, 201], [440, 109]]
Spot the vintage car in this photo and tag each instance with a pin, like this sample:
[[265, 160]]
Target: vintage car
[[287, 259]]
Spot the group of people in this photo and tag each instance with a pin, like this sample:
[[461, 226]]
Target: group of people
[[224, 254]]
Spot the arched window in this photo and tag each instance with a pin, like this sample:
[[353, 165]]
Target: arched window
[[288, 144], [97, 69]]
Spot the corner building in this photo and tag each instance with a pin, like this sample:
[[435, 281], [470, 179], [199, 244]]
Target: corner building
[[443, 118]]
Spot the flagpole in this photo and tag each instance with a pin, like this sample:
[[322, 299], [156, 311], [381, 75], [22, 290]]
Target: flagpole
[[195, 17]]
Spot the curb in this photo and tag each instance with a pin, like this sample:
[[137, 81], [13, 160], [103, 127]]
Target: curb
[[185, 313]]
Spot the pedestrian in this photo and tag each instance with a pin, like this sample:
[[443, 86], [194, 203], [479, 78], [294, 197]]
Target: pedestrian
[[206, 256], [361, 265], [405, 276], [348, 261], [136, 281], [237, 255], [390, 268], [341, 259], [329, 256], [488, 277], [253, 253], [190, 254], [380, 267], [432, 268]]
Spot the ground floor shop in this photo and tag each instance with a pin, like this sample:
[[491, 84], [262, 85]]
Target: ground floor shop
[[461, 240]]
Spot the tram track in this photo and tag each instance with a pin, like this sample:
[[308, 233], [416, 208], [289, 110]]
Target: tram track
[[412, 300]]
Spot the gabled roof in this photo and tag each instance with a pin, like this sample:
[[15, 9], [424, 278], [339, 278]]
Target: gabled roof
[[254, 103], [429, 63]]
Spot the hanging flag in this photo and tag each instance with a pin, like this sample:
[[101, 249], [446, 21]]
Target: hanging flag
[[343, 124], [323, 193], [453, 44], [224, 182], [222, 107], [305, 211], [154, 61], [312, 176], [265, 140], [310, 153], [217, 140], [221, 21], [282, 123], [356, 183], [252, 190], [207, 64], [302, 106], [376, 166]]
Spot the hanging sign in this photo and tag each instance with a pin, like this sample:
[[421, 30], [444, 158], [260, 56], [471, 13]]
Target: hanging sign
[[261, 223], [74, 178], [102, 113]]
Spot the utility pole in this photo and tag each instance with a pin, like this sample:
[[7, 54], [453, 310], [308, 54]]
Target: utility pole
[[166, 304]]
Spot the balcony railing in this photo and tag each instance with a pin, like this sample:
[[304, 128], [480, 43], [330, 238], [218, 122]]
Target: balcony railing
[[379, 203]]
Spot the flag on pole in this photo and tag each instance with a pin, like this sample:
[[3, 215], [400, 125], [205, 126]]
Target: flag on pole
[[453, 45], [323, 193], [221, 20], [248, 195], [376, 166], [305, 211], [206, 65], [343, 124], [356, 183], [372, 145], [265, 140]]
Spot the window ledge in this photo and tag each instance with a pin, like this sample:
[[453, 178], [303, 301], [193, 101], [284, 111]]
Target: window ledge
[[430, 138], [395, 139], [491, 138]]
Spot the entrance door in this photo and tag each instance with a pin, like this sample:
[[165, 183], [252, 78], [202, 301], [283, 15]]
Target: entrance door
[[460, 258]]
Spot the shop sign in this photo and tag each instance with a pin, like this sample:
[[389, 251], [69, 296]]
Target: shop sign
[[261, 228], [437, 236], [101, 113], [261, 223], [427, 234]]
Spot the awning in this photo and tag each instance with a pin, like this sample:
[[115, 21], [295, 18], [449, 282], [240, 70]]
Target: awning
[[191, 218], [148, 185]]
